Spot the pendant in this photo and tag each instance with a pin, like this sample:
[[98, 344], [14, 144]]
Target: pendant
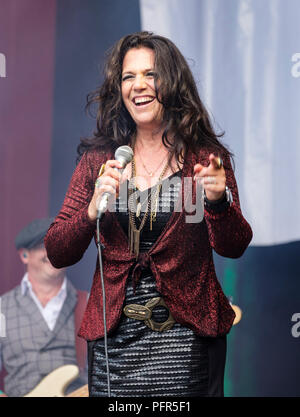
[[138, 209], [150, 174], [136, 244]]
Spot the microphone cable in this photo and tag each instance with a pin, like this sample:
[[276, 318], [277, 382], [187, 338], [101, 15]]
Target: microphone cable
[[99, 245], [124, 155]]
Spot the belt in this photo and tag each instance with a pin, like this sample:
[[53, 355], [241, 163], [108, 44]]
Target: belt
[[144, 313]]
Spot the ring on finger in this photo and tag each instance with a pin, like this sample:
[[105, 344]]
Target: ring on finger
[[210, 180], [98, 182], [219, 162], [101, 170]]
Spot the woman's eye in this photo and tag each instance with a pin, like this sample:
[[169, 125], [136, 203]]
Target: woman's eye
[[149, 74]]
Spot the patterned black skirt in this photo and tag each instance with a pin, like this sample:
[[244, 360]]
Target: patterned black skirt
[[147, 363]]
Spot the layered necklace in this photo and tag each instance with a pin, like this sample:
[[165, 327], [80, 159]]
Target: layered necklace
[[151, 173], [134, 206]]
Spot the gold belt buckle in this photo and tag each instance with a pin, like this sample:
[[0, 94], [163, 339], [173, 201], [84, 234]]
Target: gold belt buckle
[[140, 312]]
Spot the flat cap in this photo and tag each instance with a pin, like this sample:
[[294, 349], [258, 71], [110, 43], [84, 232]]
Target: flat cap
[[33, 234]]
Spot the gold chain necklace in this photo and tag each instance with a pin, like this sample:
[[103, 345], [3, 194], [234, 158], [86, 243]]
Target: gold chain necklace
[[133, 231], [151, 173]]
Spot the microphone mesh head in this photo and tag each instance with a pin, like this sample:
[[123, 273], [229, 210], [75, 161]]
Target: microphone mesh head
[[124, 153]]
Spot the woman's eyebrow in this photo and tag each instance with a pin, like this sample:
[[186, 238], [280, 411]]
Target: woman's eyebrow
[[132, 72]]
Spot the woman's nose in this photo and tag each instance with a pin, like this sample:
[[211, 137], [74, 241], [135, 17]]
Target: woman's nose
[[139, 82]]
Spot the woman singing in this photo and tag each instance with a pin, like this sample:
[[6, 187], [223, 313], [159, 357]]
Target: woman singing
[[167, 316]]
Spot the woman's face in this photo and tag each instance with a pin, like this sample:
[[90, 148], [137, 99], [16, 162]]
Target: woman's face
[[138, 89]]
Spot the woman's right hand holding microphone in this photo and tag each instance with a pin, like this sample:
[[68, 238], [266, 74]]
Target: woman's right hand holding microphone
[[108, 181]]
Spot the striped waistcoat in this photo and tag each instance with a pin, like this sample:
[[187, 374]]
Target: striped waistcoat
[[30, 351]]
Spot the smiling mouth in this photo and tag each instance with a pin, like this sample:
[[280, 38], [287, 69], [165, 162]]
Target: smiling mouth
[[142, 101]]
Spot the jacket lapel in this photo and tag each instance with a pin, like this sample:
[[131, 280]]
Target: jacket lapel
[[32, 311], [67, 309]]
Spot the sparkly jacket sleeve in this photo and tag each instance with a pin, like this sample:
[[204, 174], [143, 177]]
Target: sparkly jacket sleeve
[[229, 232], [70, 234]]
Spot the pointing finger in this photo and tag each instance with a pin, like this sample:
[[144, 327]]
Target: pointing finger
[[198, 168]]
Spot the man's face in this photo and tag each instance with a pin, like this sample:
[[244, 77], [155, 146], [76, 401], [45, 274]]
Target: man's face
[[38, 264]]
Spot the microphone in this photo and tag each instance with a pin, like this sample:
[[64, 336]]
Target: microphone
[[124, 155]]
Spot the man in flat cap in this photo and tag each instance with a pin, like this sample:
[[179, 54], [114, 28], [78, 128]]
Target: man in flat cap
[[42, 317]]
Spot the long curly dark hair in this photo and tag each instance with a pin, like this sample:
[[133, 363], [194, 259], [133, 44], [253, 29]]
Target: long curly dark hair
[[186, 122]]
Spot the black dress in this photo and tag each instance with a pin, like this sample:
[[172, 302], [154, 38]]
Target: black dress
[[147, 363]]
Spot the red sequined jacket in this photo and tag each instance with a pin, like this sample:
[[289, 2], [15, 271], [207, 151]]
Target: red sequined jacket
[[181, 259]]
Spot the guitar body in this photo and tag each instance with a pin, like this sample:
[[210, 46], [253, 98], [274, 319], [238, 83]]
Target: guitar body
[[56, 383], [238, 314]]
